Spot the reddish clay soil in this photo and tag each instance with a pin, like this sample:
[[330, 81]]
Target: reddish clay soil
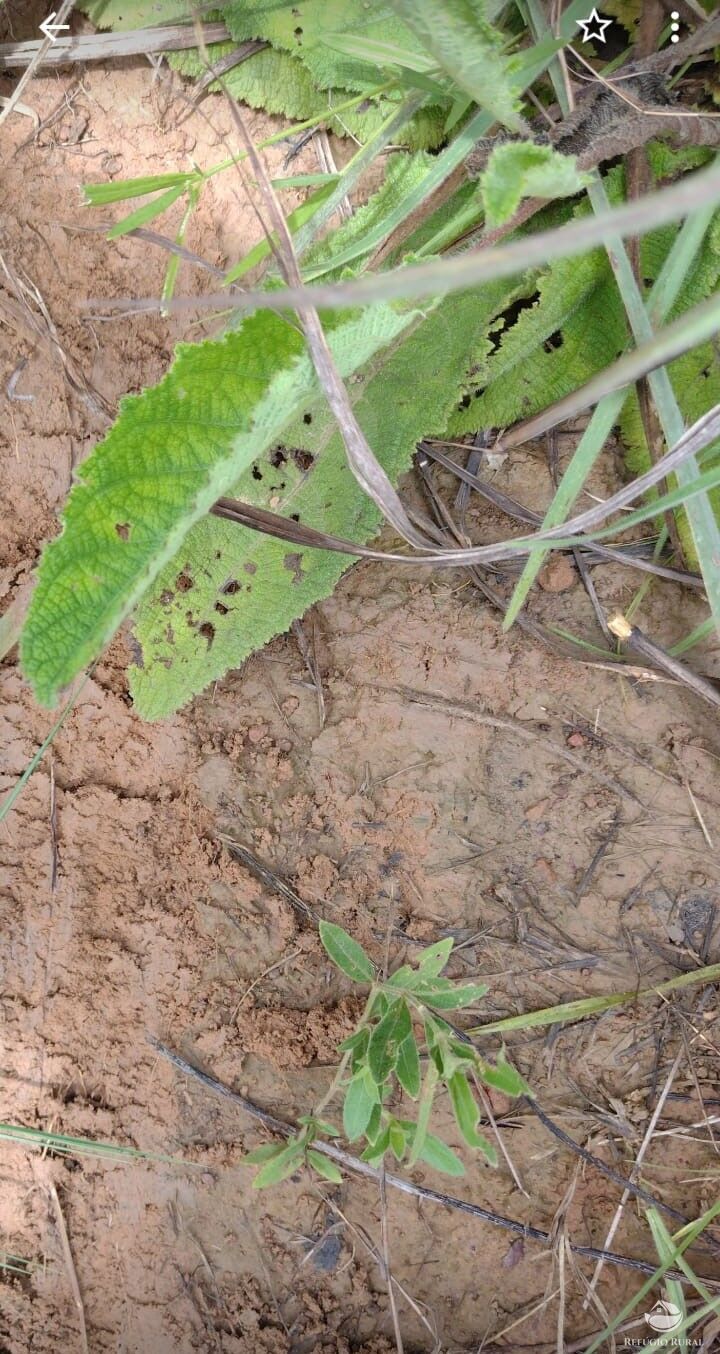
[[125, 915]]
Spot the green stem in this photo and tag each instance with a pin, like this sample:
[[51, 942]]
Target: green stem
[[337, 1080]]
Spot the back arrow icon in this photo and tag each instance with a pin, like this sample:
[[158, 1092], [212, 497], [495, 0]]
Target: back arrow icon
[[51, 29]]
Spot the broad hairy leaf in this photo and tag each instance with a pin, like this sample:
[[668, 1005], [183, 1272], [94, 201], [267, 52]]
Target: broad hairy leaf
[[432, 960], [358, 1107], [436, 1153], [324, 1167], [467, 1114], [259, 1155], [503, 1077], [229, 590], [301, 29], [573, 324], [407, 1068], [280, 1166], [279, 83], [468, 48], [518, 169], [444, 995], [170, 454], [129, 14], [346, 953], [386, 1039]]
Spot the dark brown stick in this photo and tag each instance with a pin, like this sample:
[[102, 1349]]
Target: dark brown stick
[[108, 46], [359, 1167]]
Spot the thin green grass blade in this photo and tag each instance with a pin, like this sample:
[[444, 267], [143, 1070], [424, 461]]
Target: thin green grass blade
[[681, 1242], [701, 631], [665, 1248], [585, 1006], [297, 218], [584, 457], [43, 1140], [440, 169], [357, 165], [660, 301], [149, 210], [700, 512], [34, 762]]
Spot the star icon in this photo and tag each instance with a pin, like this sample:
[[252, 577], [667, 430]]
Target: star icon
[[594, 27]]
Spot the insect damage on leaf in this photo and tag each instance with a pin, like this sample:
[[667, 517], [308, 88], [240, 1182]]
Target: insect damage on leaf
[[170, 454], [394, 411]]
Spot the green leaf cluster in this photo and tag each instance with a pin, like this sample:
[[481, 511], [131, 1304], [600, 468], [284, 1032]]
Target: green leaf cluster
[[385, 1055]]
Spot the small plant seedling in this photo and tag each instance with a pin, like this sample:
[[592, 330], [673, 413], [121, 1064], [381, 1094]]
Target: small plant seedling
[[384, 1055]]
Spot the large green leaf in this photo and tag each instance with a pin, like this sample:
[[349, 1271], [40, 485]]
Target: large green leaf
[[302, 29], [228, 590], [129, 14], [575, 325], [278, 82], [171, 453], [468, 48], [347, 953]]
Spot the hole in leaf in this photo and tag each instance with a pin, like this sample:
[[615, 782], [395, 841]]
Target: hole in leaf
[[303, 459], [294, 562], [555, 340], [307, 418], [277, 457], [257, 473], [221, 610], [231, 586]]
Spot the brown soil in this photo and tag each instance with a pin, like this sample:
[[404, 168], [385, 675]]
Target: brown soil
[[124, 913]]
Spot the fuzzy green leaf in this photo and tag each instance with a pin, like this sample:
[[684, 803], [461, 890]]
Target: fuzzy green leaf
[[171, 453], [398, 1141], [444, 995], [464, 1107], [432, 960], [346, 953], [407, 1068], [129, 14], [503, 1077], [324, 1167], [376, 1149], [468, 48], [248, 587], [357, 1108], [280, 83], [302, 30], [467, 1114], [279, 1167], [441, 1157], [521, 169], [386, 1039], [427, 1096], [259, 1155]]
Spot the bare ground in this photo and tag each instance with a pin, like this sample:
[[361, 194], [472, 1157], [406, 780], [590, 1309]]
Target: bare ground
[[124, 913]]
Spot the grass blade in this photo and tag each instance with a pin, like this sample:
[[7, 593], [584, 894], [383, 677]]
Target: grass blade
[[660, 302], [586, 1006]]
